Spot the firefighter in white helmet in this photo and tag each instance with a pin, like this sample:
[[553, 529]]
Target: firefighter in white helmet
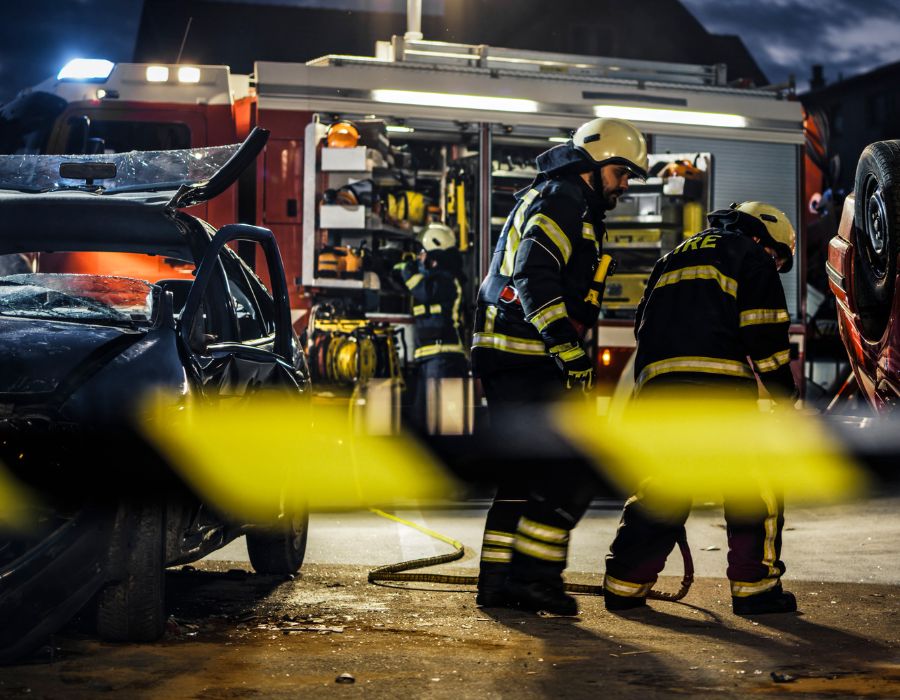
[[541, 295], [434, 282], [714, 320]]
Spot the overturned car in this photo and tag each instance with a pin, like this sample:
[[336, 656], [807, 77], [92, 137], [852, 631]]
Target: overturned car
[[863, 275], [167, 305]]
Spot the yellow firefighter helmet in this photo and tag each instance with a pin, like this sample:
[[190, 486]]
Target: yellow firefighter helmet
[[608, 141], [438, 237], [780, 229]]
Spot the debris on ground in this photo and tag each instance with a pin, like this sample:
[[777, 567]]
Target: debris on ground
[[782, 677], [345, 678]]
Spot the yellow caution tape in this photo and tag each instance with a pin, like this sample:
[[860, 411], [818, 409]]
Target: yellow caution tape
[[707, 448], [258, 457]]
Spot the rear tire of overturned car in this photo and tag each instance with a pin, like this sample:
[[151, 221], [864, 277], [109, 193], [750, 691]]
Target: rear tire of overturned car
[[132, 608], [279, 552], [877, 220]]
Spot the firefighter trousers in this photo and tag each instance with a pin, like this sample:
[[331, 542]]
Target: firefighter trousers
[[536, 505], [651, 524]]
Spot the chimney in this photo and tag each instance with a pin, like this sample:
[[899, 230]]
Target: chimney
[[817, 82]]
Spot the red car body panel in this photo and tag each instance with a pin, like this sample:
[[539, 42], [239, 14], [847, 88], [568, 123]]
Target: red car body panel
[[875, 363]]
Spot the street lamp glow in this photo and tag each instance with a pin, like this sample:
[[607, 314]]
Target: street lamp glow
[[157, 74], [454, 101], [671, 116], [86, 69]]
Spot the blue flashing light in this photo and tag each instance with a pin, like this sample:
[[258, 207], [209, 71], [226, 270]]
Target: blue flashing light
[[91, 69]]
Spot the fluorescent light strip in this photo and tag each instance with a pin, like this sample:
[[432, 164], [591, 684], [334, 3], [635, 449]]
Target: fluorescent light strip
[[399, 129], [671, 116], [558, 139], [443, 99]]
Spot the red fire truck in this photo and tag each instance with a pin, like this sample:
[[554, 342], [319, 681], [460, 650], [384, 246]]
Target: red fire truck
[[449, 132]]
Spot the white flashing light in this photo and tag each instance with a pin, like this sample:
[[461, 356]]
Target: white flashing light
[[188, 74], [454, 101], [399, 129], [671, 116], [157, 74], [101, 93], [86, 69]]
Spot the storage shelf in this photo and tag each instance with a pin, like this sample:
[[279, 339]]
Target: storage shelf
[[515, 174], [337, 283]]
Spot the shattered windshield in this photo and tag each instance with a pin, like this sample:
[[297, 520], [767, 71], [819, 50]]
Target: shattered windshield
[[135, 170], [75, 297]]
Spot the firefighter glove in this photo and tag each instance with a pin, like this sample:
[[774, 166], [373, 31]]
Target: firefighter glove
[[576, 365]]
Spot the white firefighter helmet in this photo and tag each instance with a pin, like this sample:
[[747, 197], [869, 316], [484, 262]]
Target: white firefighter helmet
[[607, 141], [438, 236], [779, 227]]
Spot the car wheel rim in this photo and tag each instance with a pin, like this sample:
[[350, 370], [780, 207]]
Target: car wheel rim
[[876, 227]]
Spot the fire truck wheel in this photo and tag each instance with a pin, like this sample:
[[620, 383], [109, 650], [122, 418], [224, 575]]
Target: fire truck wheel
[[132, 607], [279, 552], [877, 219]]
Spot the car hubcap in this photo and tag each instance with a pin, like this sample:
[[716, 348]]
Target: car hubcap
[[876, 225]]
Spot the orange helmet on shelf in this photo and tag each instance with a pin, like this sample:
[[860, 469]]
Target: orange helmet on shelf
[[342, 134]]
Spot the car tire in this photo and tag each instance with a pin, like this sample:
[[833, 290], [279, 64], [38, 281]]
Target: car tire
[[132, 607], [279, 552], [49, 576], [877, 220]]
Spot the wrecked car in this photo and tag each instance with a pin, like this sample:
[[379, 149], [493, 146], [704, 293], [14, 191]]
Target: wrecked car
[[862, 273], [80, 353]]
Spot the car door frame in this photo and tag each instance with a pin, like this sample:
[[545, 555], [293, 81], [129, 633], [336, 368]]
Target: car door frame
[[210, 265]]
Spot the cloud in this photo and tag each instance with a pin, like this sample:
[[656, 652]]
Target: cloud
[[789, 36]]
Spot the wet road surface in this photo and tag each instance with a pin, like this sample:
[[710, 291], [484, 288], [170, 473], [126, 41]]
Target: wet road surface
[[234, 634]]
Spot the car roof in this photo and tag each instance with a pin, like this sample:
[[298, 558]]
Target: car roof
[[74, 221]]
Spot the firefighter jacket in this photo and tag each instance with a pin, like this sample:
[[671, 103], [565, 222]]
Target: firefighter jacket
[[539, 295], [437, 300], [713, 312]]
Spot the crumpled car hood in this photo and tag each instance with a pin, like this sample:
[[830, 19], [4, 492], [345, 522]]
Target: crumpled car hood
[[37, 356]]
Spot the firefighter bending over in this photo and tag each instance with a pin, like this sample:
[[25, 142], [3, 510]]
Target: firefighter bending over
[[714, 317], [542, 293], [434, 283]]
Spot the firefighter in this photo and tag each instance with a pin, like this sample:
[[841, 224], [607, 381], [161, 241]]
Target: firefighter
[[542, 292], [437, 297], [713, 317]]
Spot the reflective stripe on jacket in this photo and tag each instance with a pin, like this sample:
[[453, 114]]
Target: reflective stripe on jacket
[[545, 260], [714, 311], [437, 305]]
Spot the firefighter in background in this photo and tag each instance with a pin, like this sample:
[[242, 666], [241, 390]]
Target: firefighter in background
[[541, 294], [710, 304], [434, 281]]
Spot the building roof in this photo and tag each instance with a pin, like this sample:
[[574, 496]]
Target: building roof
[[237, 34], [889, 73]]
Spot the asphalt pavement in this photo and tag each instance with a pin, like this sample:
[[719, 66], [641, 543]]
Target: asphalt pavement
[[853, 543]]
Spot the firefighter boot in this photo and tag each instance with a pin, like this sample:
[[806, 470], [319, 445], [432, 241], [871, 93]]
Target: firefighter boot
[[775, 600], [548, 596], [618, 603], [492, 587]]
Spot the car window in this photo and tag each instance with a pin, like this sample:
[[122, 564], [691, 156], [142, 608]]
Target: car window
[[76, 297], [252, 302]]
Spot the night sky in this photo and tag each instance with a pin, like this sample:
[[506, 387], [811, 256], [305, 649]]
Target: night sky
[[785, 36]]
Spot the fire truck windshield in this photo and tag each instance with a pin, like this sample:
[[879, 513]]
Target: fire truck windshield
[[135, 171]]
